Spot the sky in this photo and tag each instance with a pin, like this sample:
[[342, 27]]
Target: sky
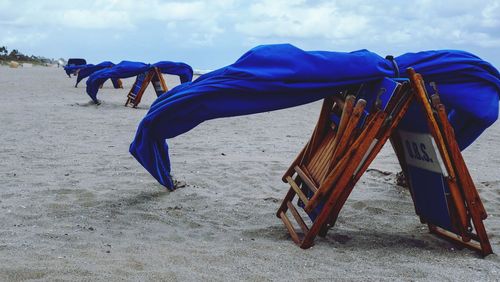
[[212, 34]]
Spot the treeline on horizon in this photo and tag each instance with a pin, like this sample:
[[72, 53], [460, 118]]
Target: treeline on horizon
[[15, 55]]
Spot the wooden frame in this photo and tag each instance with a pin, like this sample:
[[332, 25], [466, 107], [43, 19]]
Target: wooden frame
[[465, 205], [324, 173], [117, 83], [154, 77]]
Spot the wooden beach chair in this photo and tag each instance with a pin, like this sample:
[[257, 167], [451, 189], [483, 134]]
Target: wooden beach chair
[[325, 172], [142, 81], [338, 153], [442, 189], [117, 83]]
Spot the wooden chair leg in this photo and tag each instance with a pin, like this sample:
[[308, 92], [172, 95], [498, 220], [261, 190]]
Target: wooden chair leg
[[458, 202], [483, 249]]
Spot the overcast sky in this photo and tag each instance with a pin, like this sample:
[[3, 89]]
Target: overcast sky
[[212, 34]]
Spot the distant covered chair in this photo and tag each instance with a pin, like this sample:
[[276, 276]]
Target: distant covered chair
[[73, 65], [154, 76], [127, 69], [86, 70]]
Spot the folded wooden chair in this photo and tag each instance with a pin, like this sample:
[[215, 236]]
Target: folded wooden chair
[[117, 83], [441, 186], [142, 81], [325, 172]]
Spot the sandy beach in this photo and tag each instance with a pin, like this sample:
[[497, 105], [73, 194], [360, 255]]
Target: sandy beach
[[75, 205]]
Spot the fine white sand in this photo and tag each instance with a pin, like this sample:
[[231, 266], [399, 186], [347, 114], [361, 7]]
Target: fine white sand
[[75, 205]]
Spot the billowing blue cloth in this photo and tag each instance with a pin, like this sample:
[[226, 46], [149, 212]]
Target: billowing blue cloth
[[122, 70], [273, 77], [71, 69], [183, 70], [86, 70], [129, 69], [73, 65]]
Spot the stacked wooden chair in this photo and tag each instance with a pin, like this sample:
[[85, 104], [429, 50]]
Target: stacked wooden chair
[[442, 189], [142, 81], [350, 132]]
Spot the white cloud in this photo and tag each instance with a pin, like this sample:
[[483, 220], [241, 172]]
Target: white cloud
[[300, 19], [201, 18], [491, 15], [233, 26], [88, 19], [357, 24], [30, 39]]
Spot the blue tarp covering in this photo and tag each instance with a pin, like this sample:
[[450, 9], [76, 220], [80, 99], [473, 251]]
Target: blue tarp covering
[[273, 77], [129, 69], [86, 70], [71, 67], [184, 71]]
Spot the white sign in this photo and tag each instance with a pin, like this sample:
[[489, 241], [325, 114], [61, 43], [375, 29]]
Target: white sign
[[421, 151]]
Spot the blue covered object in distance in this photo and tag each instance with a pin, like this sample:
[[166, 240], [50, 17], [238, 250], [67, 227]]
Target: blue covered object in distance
[[272, 77], [127, 69], [86, 70], [73, 64], [71, 69]]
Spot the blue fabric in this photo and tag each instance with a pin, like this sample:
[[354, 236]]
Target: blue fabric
[[184, 71], [87, 70], [272, 77], [122, 70], [129, 69], [71, 69]]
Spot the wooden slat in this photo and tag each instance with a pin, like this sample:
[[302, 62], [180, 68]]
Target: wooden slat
[[297, 190], [306, 151], [298, 218], [335, 173], [313, 158], [464, 178], [417, 83], [361, 145], [349, 134], [345, 120], [319, 130], [291, 229], [291, 169], [319, 162], [455, 191], [347, 111], [136, 100], [288, 198], [421, 96], [326, 155], [161, 79], [365, 143], [314, 164], [144, 85], [476, 209], [383, 135], [452, 237], [306, 179]]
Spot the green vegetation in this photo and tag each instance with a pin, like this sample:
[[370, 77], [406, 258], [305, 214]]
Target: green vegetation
[[15, 55]]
